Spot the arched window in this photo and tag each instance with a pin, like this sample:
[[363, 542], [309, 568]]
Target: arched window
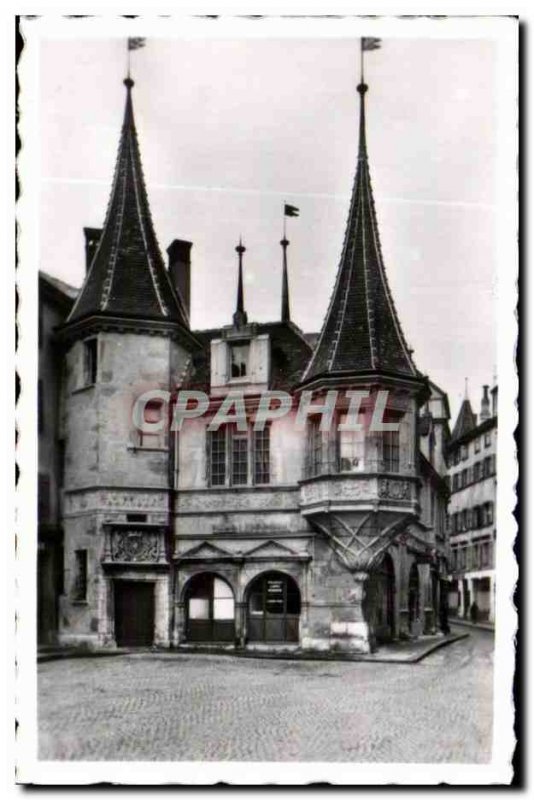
[[273, 608], [209, 608]]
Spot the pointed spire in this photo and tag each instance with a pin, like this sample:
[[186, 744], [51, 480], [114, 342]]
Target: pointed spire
[[240, 316], [361, 332], [466, 420], [286, 314], [127, 275]]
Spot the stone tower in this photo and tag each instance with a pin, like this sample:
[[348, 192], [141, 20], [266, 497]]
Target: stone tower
[[362, 487], [127, 333]]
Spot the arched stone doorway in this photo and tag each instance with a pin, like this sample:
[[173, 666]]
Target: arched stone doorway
[[209, 609], [273, 608], [414, 605], [384, 599]]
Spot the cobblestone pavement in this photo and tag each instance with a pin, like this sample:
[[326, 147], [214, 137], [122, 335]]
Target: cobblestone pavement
[[204, 707]]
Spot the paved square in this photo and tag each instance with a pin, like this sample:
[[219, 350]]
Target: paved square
[[201, 707]]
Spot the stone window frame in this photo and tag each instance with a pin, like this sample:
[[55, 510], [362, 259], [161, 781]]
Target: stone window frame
[[80, 582], [226, 475]]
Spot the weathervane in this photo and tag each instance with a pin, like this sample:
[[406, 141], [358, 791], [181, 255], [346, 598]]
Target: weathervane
[[367, 43], [134, 43]]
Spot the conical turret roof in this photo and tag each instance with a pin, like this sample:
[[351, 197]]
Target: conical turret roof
[[466, 421], [127, 276], [361, 332]]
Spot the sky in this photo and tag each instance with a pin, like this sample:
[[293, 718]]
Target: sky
[[231, 129]]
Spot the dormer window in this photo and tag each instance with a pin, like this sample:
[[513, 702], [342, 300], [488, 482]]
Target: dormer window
[[239, 358]]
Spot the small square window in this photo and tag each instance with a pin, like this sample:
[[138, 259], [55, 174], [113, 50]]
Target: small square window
[[90, 361], [239, 355], [136, 517]]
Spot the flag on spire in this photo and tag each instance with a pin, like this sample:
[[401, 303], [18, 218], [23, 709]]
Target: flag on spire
[[371, 43], [291, 211], [136, 42]]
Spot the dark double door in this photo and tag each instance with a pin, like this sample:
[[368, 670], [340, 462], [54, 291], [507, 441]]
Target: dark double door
[[134, 613], [273, 609]]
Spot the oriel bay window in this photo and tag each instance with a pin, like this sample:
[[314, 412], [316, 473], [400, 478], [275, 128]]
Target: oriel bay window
[[351, 446], [238, 458], [390, 451]]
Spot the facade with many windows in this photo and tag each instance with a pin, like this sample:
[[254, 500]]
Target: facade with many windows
[[307, 531], [472, 455]]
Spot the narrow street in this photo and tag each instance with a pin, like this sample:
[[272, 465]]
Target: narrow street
[[201, 707]]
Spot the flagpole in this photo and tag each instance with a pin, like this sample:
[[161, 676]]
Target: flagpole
[[284, 218], [361, 59]]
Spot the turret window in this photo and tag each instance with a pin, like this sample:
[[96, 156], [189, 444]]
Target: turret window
[[351, 447], [390, 451], [90, 361]]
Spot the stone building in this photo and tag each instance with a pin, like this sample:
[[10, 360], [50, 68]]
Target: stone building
[[472, 510], [55, 301], [299, 534]]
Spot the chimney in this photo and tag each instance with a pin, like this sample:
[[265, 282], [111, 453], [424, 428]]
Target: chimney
[[494, 400], [179, 252], [485, 405], [92, 238]]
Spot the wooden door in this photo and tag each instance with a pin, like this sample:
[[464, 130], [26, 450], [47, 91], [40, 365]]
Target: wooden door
[[134, 613]]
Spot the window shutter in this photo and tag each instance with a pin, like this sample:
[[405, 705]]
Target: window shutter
[[260, 352], [219, 363]]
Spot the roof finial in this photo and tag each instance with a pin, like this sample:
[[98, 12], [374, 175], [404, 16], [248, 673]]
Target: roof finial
[[240, 316], [286, 315]]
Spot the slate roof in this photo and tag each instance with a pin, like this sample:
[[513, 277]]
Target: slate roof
[[290, 352], [361, 331], [465, 422], [127, 276]]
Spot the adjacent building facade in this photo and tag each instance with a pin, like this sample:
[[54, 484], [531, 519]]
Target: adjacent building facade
[[472, 454], [55, 301], [302, 533]]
